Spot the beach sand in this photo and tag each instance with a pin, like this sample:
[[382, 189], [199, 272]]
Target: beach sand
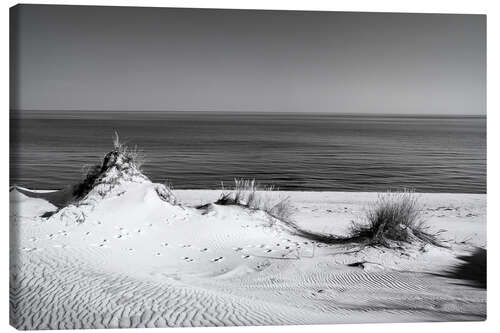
[[132, 259]]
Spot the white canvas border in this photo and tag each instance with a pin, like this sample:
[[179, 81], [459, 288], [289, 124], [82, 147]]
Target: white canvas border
[[423, 6]]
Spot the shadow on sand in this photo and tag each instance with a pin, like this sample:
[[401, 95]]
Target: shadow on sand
[[472, 271]]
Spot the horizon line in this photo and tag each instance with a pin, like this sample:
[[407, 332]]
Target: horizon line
[[257, 112]]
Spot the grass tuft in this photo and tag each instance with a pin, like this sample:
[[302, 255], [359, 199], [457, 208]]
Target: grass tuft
[[250, 194], [394, 217], [123, 158], [130, 156]]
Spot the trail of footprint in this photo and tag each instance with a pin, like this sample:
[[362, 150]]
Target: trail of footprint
[[29, 249]]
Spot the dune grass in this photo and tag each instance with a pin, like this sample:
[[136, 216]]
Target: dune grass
[[394, 217], [122, 157], [130, 156], [248, 193]]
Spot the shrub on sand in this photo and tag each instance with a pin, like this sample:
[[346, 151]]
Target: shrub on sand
[[130, 156], [249, 194], [122, 158], [395, 217], [92, 172]]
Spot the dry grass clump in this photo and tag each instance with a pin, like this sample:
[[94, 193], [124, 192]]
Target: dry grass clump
[[124, 159], [130, 156], [92, 173], [394, 217], [249, 194]]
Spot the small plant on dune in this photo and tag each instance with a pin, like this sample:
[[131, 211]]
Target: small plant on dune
[[121, 157], [130, 156], [395, 217], [91, 172], [165, 192], [249, 194]]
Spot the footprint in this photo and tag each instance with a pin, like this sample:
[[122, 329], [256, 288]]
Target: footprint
[[165, 244], [33, 239], [87, 233], [217, 259], [118, 236], [237, 249], [269, 250], [204, 250], [246, 256], [185, 245], [158, 253]]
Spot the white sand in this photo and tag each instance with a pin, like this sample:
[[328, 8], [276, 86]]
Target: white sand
[[138, 261]]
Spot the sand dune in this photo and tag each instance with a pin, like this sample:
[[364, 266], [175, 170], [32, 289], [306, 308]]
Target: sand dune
[[137, 261], [135, 254]]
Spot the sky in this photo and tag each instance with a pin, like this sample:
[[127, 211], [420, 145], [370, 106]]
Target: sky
[[164, 59]]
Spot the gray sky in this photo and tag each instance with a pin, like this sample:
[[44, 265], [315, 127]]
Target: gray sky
[[118, 58]]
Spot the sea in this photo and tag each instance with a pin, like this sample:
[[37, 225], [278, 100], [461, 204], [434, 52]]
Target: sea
[[292, 151]]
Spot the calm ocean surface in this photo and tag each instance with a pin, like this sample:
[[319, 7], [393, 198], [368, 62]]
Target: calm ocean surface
[[291, 151]]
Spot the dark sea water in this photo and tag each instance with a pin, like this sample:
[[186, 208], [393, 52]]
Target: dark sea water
[[291, 151]]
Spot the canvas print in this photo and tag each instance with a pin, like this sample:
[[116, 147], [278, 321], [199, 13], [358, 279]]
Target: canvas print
[[175, 167]]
